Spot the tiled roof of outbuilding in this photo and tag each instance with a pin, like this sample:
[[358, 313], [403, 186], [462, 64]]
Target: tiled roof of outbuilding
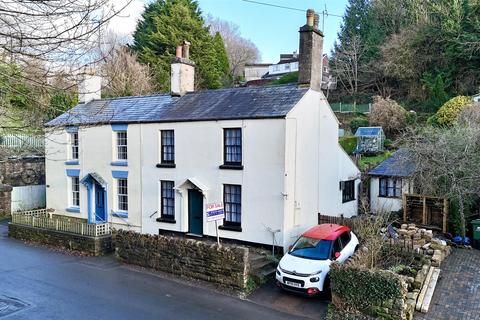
[[398, 165], [222, 104]]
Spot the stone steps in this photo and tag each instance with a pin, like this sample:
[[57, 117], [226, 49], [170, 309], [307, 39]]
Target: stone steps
[[262, 267]]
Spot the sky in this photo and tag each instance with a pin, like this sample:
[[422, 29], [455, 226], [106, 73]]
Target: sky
[[273, 30]]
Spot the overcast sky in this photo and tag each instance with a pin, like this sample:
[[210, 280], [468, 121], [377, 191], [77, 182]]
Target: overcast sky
[[274, 30]]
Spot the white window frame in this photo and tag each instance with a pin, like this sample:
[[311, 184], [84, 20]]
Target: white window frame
[[118, 195], [74, 146], [118, 146], [72, 192]]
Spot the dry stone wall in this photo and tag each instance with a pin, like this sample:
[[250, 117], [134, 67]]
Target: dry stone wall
[[227, 266]]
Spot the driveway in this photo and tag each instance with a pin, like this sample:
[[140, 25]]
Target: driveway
[[271, 296], [37, 283], [457, 295]]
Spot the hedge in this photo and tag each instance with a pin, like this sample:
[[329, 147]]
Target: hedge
[[357, 288], [348, 143]]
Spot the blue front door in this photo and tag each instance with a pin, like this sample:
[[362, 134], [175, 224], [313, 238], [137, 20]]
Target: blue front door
[[100, 214]]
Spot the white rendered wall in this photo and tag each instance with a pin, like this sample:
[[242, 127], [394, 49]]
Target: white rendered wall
[[96, 147], [198, 155]]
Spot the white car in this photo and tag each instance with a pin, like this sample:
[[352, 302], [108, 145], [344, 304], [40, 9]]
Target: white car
[[305, 267]]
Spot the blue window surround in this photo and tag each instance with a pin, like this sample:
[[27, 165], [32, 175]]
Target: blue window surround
[[73, 172], [119, 163], [71, 129], [119, 174], [73, 209], [72, 162], [119, 127]]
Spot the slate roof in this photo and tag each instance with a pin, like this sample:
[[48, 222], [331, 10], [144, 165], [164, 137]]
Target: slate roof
[[222, 104], [368, 131], [398, 165]]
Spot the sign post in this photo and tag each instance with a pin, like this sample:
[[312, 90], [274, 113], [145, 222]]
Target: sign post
[[215, 212]]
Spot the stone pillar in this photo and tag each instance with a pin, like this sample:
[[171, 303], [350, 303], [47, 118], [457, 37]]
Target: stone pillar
[[5, 200]]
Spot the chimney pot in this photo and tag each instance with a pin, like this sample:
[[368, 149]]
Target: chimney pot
[[316, 20], [186, 50], [310, 17], [178, 52]]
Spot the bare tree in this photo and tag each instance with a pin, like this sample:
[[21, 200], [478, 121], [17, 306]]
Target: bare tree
[[39, 39], [124, 75], [240, 50], [447, 163], [388, 114], [346, 63]]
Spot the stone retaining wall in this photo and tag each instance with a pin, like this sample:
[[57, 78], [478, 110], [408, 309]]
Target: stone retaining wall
[[227, 266], [5, 200], [94, 246]]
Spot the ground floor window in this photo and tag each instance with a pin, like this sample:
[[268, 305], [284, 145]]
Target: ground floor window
[[75, 191], [167, 201], [232, 199], [348, 190], [122, 194], [390, 187]]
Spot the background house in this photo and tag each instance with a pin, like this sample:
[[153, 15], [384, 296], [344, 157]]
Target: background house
[[389, 181]]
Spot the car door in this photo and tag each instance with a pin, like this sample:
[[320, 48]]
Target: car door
[[347, 244], [338, 247]]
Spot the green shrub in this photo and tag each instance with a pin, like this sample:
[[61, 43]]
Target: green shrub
[[449, 112], [358, 122], [288, 78], [348, 143], [411, 117], [387, 143], [361, 289]]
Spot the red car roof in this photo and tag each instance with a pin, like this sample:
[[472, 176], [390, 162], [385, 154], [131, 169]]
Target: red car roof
[[325, 231]]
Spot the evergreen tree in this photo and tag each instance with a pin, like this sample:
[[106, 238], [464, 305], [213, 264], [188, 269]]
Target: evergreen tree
[[165, 24]]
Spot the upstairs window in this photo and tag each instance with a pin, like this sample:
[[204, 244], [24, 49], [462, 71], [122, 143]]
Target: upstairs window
[[390, 188], [74, 145], [122, 145], [75, 181], [168, 146], [348, 190], [167, 200], [122, 194], [232, 199], [232, 151]]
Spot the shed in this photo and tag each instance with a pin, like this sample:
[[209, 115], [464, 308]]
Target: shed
[[369, 140]]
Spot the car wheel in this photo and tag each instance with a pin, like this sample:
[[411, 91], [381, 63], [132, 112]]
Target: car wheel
[[327, 289]]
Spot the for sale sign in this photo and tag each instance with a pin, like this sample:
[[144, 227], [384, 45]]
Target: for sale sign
[[215, 211]]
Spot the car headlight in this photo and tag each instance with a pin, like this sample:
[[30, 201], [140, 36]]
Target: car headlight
[[314, 279], [278, 270]]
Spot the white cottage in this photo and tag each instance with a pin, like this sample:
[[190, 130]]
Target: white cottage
[[389, 181], [152, 163]]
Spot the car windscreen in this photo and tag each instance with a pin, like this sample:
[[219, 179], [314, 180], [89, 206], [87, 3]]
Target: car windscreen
[[310, 248]]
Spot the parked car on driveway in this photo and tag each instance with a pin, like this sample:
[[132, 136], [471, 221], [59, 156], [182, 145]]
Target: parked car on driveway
[[304, 268]]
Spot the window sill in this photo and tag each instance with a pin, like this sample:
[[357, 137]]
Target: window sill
[[390, 197], [73, 209], [166, 220], [347, 201], [71, 162], [166, 165], [120, 214], [230, 228], [120, 163], [231, 166]]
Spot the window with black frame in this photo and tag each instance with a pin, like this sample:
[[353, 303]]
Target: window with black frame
[[232, 146], [167, 201], [168, 146], [390, 188], [348, 190], [232, 201]]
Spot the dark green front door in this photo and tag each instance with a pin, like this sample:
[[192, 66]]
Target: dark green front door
[[195, 212]]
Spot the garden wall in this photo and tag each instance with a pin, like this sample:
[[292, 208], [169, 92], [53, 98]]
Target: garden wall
[[94, 246], [377, 293], [227, 266]]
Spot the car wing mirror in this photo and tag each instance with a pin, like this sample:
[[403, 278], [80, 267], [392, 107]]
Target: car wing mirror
[[290, 248], [337, 255]]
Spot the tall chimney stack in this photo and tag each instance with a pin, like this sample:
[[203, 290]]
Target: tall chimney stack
[[90, 86], [182, 75], [310, 57]]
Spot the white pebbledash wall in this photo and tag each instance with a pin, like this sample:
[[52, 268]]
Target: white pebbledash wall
[[292, 169]]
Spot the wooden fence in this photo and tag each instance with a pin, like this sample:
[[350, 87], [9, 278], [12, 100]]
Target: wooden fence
[[341, 220], [427, 211], [42, 218], [21, 141]]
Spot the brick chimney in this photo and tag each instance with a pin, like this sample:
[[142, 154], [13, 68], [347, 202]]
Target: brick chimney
[[182, 76], [90, 86], [310, 57]]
